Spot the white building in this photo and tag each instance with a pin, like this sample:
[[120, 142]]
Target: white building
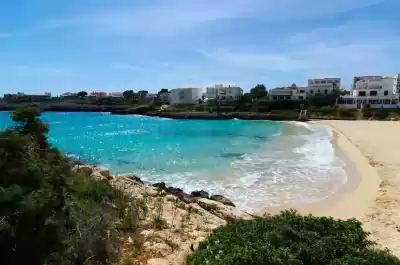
[[372, 92], [68, 95], [223, 93], [165, 97], [288, 93], [323, 86], [190, 95], [115, 94]]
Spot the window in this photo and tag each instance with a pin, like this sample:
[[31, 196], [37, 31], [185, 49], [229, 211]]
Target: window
[[275, 97], [301, 91], [386, 92], [312, 91], [317, 82], [373, 93], [361, 94], [329, 81], [281, 97], [287, 97], [182, 97], [326, 91], [323, 82], [300, 97]]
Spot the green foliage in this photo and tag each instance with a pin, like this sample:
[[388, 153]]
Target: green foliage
[[158, 223], [289, 238], [320, 100], [163, 90], [48, 214], [345, 113], [128, 94], [259, 91], [82, 94]]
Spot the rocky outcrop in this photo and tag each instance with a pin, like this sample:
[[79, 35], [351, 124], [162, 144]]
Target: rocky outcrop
[[200, 194], [188, 218], [222, 199], [137, 110]]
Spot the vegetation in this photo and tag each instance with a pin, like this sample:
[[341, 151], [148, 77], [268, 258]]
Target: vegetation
[[163, 90], [289, 238], [259, 91], [82, 94], [48, 213]]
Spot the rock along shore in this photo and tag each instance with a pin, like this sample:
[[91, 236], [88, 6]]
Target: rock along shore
[[189, 218]]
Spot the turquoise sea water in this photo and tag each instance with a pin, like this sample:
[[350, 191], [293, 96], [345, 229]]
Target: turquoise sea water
[[255, 163]]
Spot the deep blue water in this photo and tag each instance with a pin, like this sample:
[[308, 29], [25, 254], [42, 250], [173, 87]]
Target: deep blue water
[[256, 163]]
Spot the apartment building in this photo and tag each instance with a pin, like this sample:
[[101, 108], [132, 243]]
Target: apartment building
[[373, 92], [223, 93], [189, 95], [323, 86], [288, 93]]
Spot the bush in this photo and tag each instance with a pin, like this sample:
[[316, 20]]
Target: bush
[[381, 114], [289, 238], [48, 214], [345, 113]]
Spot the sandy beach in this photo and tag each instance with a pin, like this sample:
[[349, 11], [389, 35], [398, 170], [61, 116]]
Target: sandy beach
[[372, 193]]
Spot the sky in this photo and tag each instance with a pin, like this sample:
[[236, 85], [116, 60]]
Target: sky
[[114, 45]]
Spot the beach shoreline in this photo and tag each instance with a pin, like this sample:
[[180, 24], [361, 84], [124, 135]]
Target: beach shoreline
[[354, 197]]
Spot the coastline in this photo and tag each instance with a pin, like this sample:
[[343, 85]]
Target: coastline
[[356, 195], [377, 142]]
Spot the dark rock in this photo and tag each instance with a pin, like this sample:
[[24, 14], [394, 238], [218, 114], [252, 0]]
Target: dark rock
[[175, 191], [200, 194], [222, 199], [135, 178], [181, 195], [160, 185]]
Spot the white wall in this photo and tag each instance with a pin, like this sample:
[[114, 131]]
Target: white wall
[[299, 93], [225, 93], [186, 95], [323, 86], [367, 87]]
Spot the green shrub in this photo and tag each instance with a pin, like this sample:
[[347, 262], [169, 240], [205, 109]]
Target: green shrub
[[345, 113], [381, 114], [48, 214], [394, 116], [158, 223], [289, 238]]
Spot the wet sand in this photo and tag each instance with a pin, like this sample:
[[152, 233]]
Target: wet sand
[[379, 143], [370, 150]]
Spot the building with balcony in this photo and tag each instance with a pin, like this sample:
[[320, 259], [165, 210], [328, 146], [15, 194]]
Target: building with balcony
[[288, 93], [223, 93], [189, 95], [372, 92], [323, 86]]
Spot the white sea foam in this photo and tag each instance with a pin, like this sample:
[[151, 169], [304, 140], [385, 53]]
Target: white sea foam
[[292, 168]]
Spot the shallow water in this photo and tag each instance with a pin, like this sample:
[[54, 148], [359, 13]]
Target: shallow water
[[255, 163]]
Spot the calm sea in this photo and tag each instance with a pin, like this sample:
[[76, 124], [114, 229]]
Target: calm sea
[[254, 163]]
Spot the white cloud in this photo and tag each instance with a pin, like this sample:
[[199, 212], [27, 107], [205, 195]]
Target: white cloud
[[174, 17], [342, 51]]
